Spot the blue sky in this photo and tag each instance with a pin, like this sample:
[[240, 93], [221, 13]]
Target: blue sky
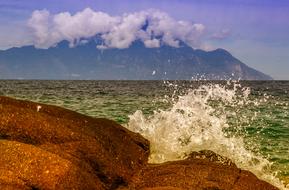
[[255, 31]]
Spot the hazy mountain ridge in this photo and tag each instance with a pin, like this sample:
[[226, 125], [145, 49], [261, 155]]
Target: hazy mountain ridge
[[134, 63]]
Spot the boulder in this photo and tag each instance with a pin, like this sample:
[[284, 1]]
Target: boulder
[[48, 147], [204, 170], [99, 147]]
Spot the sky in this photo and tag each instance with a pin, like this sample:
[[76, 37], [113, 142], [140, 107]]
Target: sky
[[254, 31]]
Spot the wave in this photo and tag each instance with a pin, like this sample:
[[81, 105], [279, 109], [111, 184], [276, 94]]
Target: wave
[[200, 120]]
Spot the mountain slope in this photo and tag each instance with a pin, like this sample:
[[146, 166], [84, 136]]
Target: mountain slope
[[134, 63]]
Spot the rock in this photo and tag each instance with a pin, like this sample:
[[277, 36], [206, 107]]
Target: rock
[[100, 147], [41, 169], [210, 156], [9, 181], [197, 174], [48, 147]]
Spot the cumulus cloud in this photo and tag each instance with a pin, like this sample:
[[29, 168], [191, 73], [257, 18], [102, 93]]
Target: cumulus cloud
[[152, 27]]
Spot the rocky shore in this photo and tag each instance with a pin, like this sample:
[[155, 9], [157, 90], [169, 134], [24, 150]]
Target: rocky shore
[[48, 147]]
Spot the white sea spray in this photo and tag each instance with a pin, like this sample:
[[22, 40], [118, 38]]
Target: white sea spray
[[199, 120]]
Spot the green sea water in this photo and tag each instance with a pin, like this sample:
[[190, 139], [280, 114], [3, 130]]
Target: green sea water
[[247, 121]]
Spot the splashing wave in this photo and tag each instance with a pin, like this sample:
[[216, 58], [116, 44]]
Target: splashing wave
[[199, 120]]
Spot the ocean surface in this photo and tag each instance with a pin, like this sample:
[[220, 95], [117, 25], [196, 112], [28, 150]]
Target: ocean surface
[[246, 121]]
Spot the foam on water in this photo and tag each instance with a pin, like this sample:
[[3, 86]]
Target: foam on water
[[199, 120]]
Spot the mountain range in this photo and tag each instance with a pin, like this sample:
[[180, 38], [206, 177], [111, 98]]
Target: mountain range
[[137, 62]]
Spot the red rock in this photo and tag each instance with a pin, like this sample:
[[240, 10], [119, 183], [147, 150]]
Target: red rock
[[202, 171], [41, 169], [98, 146], [48, 147], [10, 181]]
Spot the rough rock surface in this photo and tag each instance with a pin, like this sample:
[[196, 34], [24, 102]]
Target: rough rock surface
[[48, 135], [197, 174], [48, 147]]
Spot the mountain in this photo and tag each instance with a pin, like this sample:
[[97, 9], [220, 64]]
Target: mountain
[[134, 63]]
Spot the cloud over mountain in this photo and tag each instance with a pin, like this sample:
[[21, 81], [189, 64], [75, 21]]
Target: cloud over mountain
[[152, 27]]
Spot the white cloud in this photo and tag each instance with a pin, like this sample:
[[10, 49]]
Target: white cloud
[[125, 32], [154, 43], [225, 33], [152, 27], [40, 25], [50, 29]]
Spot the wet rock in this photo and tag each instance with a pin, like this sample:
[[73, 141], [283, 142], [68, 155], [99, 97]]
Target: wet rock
[[48, 147], [210, 156], [197, 174]]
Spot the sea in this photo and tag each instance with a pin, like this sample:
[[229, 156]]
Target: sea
[[246, 121]]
